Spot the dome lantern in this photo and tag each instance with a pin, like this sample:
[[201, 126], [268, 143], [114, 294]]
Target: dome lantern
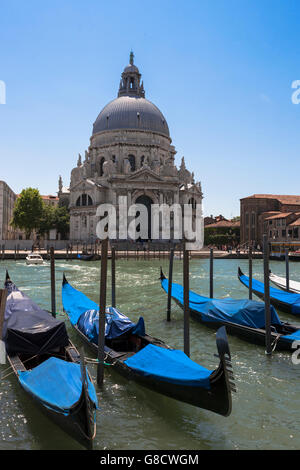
[[130, 82], [131, 110]]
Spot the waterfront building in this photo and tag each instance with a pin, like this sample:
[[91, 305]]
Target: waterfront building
[[51, 200], [130, 154], [221, 232], [7, 202], [277, 216]]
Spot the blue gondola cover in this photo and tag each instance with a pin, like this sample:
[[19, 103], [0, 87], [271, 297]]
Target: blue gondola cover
[[84, 313], [287, 298], [243, 312], [169, 365], [292, 337], [57, 384]]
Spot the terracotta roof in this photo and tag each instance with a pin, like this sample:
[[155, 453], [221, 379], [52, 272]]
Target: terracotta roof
[[281, 215], [50, 197], [295, 223], [269, 213], [289, 199], [224, 223]]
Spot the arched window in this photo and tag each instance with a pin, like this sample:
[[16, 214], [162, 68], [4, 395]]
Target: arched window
[[193, 203], [84, 200], [101, 166], [131, 159]]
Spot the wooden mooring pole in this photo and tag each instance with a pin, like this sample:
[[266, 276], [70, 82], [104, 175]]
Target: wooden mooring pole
[[102, 309], [211, 273], [250, 273], [113, 277], [186, 300], [3, 296], [267, 296], [170, 284], [287, 270], [52, 275]]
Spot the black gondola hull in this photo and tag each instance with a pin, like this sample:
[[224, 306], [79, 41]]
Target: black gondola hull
[[287, 308], [72, 424], [80, 423], [251, 335], [217, 399]]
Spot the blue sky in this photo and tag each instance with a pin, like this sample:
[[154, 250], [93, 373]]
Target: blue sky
[[220, 71]]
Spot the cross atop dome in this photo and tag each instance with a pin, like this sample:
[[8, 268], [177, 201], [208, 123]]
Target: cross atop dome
[[130, 81]]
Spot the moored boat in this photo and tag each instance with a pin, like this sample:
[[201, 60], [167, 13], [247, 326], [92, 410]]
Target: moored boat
[[242, 318], [86, 257], [149, 361], [280, 282], [288, 302], [48, 367]]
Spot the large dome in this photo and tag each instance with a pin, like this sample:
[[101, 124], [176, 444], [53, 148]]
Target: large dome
[[131, 112]]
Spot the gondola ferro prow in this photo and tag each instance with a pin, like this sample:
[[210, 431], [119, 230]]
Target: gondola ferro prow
[[225, 357]]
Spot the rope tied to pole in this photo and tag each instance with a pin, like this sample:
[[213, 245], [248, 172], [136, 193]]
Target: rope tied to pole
[[274, 344]]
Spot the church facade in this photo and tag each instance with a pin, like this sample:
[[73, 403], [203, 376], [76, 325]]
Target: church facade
[[130, 154]]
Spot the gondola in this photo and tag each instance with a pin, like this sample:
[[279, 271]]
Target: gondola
[[242, 318], [48, 367], [285, 301], [280, 282], [149, 361], [86, 257]]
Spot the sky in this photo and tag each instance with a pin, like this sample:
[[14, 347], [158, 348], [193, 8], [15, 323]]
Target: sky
[[220, 71]]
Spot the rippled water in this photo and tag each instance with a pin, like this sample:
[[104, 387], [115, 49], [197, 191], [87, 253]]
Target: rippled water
[[265, 409]]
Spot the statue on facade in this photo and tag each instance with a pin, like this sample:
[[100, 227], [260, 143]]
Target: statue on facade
[[109, 167], [184, 175], [169, 169], [145, 161], [156, 165], [127, 166]]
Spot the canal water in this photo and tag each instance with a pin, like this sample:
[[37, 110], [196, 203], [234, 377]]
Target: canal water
[[266, 406]]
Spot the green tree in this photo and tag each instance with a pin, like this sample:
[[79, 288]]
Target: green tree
[[28, 211], [47, 220], [54, 217], [221, 235], [62, 221]]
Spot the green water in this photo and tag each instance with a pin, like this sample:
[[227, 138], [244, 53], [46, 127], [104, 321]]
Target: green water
[[266, 406]]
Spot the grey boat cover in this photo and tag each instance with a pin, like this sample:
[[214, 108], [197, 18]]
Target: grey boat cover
[[27, 328]]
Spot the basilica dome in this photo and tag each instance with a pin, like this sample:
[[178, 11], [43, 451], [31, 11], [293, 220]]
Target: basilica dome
[[131, 110]]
